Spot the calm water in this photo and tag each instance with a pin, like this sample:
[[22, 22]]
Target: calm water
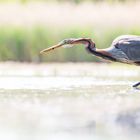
[[69, 101]]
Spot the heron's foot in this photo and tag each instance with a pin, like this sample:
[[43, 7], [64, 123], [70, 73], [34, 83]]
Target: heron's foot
[[136, 85]]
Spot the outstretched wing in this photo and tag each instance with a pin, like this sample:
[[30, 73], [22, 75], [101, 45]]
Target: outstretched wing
[[129, 46]]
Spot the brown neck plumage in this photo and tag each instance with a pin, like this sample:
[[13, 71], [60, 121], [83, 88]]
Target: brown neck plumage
[[90, 46]]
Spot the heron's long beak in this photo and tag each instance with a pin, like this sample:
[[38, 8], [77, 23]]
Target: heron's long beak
[[51, 48]]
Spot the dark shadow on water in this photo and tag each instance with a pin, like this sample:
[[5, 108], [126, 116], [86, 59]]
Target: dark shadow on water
[[130, 120], [136, 88]]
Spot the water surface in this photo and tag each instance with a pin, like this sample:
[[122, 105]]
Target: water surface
[[69, 101]]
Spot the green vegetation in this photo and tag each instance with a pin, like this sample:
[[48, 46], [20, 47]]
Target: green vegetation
[[27, 29], [23, 44]]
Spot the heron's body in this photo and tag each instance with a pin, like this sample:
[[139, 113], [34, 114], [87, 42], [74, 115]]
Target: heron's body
[[124, 49]]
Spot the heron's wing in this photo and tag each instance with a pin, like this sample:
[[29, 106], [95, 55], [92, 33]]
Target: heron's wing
[[130, 46]]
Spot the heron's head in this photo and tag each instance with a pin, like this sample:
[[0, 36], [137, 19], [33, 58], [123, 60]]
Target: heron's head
[[74, 41], [71, 42]]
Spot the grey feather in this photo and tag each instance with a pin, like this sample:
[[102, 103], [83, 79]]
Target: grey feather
[[126, 48]]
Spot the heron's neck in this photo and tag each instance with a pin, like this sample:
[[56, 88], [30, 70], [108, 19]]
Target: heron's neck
[[90, 46], [100, 52]]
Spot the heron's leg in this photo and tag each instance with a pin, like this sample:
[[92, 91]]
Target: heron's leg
[[137, 84]]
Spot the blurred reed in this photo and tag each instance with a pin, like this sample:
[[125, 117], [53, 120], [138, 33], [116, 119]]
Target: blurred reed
[[24, 44], [24, 32]]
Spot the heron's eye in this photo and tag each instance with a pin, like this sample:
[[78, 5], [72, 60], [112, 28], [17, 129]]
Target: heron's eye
[[67, 41], [64, 41]]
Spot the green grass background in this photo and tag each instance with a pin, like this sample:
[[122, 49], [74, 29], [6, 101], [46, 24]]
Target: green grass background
[[23, 44]]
